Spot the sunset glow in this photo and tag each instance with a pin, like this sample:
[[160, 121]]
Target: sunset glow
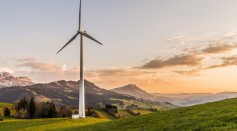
[[161, 46]]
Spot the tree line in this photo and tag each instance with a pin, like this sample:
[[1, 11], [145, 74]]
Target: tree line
[[29, 109]]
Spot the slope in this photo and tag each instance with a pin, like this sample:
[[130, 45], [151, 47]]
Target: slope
[[220, 115]]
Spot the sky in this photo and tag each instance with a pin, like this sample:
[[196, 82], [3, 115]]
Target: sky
[[163, 46]]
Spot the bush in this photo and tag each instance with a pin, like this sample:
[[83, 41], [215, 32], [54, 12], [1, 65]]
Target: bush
[[7, 112], [22, 114], [65, 111], [76, 111]]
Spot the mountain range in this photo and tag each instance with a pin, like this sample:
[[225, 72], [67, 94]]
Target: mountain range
[[7, 80], [66, 93], [183, 99]]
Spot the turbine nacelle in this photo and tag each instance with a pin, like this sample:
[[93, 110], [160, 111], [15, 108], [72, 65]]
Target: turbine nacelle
[[75, 36]]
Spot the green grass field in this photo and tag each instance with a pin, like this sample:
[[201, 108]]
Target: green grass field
[[220, 115], [2, 104], [212, 116], [103, 114], [46, 124], [142, 112]]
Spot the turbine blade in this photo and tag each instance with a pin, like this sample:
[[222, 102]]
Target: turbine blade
[[90, 37], [73, 38], [79, 20]]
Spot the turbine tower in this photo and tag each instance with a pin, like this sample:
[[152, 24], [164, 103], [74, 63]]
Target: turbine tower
[[81, 92]]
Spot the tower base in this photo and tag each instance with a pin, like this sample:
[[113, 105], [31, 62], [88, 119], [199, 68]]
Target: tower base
[[75, 116]]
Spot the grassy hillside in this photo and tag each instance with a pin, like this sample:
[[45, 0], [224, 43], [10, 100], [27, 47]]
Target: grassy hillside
[[103, 114], [220, 115], [45, 124], [2, 104]]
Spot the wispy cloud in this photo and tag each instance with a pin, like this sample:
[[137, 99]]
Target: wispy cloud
[[230, 35], [178, 60], [180, 40], [28, 59], [226, 61], [5, 69], [193, 72], [45, 71], [219, 47]]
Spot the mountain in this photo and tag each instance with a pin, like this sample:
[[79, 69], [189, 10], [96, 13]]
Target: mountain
[[133, 90], [7, 80], [189, 99], [183, 99], [66, 92]]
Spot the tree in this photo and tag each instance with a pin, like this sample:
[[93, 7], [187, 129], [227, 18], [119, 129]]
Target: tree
[[7, 112], [22, 104], [52, 113], [31, 108]]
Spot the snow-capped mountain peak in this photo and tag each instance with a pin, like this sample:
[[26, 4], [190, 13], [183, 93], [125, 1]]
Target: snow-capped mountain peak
[[8, 80]]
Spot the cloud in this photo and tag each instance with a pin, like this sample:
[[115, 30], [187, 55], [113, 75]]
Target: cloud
[[219, 47], [41, 66], [5, 69], [226, 61], [28, 59], [230, 35], [120, 76], [45, 71], [194, 72], [180, 40], [178, 60]]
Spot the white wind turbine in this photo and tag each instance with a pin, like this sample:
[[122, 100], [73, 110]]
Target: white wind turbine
[[81, 92]]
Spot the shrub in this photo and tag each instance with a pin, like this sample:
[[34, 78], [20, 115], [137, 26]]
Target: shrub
[[76, 111], [65, 111], [22, 114], [7, 112]]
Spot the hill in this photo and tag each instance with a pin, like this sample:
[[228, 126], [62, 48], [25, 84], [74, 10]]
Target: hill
[[189, 99], [219, 115], [183, 99], [66, 93], [3, 104], [133, 90]]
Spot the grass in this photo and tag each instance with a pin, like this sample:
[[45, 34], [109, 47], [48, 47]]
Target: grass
[[103, 114], [220, 115], [142, 112], [124, 114], [3, 104], [135, 102], [45, 124]]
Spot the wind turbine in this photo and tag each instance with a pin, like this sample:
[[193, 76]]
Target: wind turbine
[[81, 92]]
